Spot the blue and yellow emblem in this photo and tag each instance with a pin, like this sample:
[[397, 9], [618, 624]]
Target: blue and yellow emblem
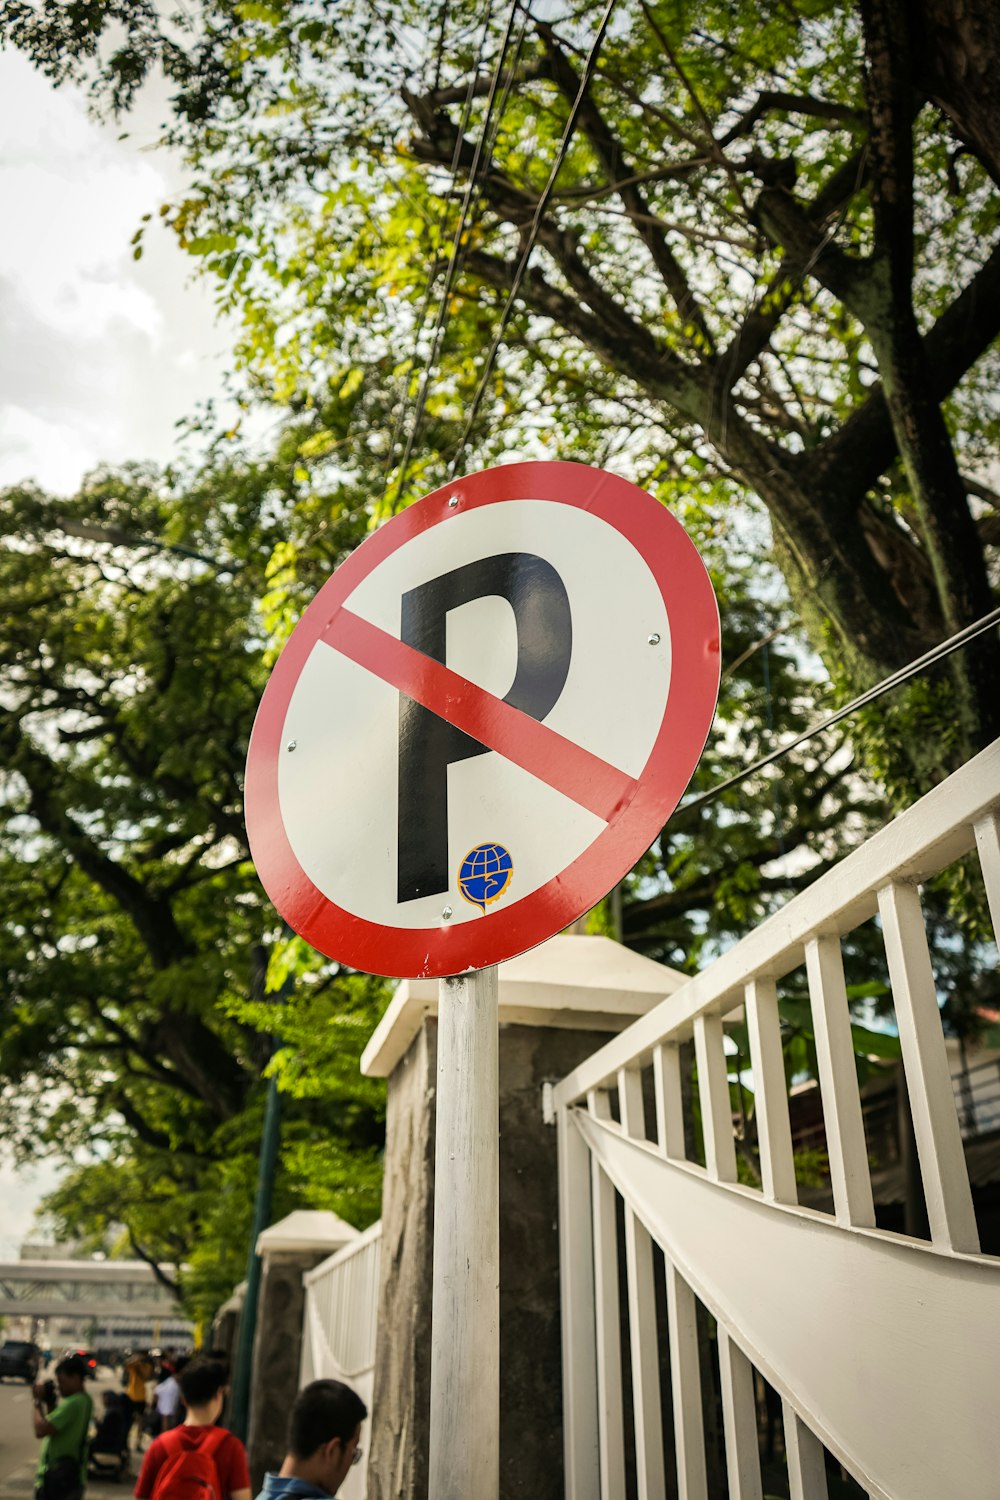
[[485, 873]]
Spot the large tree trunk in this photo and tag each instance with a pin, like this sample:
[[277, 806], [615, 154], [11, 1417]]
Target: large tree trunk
[[941, 511], [959, 69]]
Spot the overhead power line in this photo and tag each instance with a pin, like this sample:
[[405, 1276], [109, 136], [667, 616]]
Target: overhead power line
[[432, 270], [480, 158], [896, 679], [536, 222]]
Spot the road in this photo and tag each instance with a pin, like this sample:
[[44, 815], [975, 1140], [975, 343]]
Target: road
[[18, 1444]]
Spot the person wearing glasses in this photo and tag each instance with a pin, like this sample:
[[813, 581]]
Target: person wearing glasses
[[324, 1436]]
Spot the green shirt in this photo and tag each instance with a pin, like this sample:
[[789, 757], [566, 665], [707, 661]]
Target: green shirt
[[71, 1419]]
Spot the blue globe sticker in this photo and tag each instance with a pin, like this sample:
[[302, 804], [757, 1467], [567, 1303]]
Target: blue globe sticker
[[485, 873]]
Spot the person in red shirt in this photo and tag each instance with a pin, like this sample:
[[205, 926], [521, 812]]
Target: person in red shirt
[[203, 1389]]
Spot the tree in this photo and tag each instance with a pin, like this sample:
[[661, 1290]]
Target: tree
[[135, 1020], [131, 661], [769, 259], [764, 282]]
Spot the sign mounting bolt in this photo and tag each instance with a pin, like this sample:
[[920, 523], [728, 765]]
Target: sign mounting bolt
[[447, 913], [654, 639], [453, 501], [291, 744]]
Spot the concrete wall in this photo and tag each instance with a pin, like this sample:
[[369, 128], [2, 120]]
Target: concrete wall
[[530, 1359], [277, 1351], [401, 1409]]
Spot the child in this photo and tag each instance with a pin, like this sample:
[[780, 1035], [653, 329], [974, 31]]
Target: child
[[203, 1388]]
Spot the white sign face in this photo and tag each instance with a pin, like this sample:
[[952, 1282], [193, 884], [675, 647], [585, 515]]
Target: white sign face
[[342, 715], [461, 724]]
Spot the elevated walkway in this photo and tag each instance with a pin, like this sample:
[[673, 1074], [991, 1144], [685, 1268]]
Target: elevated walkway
[[84, 1288]]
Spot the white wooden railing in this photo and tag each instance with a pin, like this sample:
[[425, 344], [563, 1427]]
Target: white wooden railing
[[883, 1349], [338, 1332]]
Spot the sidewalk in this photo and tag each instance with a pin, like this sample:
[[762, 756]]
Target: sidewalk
[[20, 1484]]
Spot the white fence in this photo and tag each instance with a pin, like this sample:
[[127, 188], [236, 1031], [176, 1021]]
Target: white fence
[[883, 1349], [338, 1333]]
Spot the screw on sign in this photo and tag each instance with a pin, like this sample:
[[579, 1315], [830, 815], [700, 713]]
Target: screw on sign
[[483, 720]]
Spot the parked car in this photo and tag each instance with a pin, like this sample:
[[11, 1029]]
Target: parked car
[[20, 1359]]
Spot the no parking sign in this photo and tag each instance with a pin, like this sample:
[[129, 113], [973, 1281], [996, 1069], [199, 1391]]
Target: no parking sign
[[483, 720]]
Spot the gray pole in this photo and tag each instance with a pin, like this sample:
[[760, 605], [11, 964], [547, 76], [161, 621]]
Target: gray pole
[[464, 1456]]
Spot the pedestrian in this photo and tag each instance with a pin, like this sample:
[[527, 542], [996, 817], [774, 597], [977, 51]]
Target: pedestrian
[[176, 1415], [324, 1434], [197, 1458], [165, 1398], [109, 1444], [138, 1369], [62, 1425]]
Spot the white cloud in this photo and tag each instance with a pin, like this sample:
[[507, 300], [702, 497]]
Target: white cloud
[[56, 453], [22, 1190], [102, 354], [72, 201]]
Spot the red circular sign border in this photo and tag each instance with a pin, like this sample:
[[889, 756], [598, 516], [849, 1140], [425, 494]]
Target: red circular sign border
[[437, 951]]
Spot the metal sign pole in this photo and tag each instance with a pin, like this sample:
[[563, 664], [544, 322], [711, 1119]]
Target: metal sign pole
[[464, 1456]]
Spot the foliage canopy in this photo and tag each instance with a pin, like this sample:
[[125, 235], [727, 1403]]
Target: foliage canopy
[[765, 280], [768, 267]]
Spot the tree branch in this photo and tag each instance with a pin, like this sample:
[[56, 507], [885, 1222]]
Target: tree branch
[[526, 72], [614, 162], [754, 334], [798, 104], [152, 918], [789, 226], [173, 1287], [864, 446], [623, 345]]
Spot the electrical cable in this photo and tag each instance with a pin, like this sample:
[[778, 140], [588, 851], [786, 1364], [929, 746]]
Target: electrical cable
[[456, 251], [896, 679], [432, 271], [536, 222]]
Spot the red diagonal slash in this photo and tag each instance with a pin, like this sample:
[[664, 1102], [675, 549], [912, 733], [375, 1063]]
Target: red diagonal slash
[[541, 751]]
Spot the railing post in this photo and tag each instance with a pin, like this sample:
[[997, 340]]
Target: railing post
[[642, 1316], [739, 1417], [847, 1149], [806, 1463], [774, 1135], [682, 1318], [579, 1333], [928, 1078], [739, 1413], [611, 1421], [988, 844]]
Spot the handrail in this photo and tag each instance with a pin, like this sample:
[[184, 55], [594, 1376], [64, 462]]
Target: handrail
[[802, 1296], [937, 830], [341, 1304], [345, 1253]]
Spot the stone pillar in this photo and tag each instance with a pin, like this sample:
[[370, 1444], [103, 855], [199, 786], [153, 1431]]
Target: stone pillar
[[557, 1005], [288, 1249], [226, 1323]]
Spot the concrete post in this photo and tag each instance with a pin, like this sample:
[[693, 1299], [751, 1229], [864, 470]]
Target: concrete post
[[556, 1006], [287, 1250]]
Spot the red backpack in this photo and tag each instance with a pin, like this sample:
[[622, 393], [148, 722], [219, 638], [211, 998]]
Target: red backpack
[[190, 1473]]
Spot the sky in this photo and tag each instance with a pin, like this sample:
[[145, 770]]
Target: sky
[[101, 355]]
